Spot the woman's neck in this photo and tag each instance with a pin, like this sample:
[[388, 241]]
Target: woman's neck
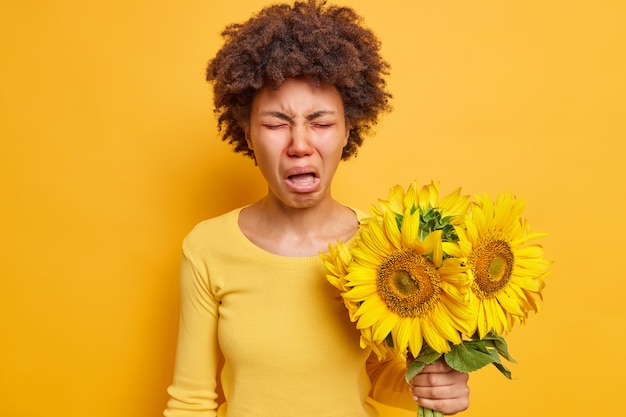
[[297, 232]]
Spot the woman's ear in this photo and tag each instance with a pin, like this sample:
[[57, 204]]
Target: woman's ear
[[345, 142], [248, 140]]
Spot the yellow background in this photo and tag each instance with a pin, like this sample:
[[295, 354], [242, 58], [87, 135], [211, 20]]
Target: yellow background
[[109, 155]]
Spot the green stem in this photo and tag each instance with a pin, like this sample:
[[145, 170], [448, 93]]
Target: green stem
[[427, 412]]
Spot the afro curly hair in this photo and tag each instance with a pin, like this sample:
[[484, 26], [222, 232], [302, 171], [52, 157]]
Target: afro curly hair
[[328, 44]]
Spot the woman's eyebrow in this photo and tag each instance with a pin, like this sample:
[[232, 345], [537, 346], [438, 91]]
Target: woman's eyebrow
[[320, 113], [312, 116], [277, 114]]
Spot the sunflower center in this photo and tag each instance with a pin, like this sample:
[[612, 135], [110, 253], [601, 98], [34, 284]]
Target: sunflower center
[[408, 283], [405, 283], [492, 265]]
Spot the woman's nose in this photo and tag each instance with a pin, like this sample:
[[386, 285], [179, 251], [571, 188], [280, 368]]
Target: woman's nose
[[300, 142]]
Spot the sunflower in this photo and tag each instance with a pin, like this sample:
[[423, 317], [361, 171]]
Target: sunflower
[[336, 261], [435, 213], [506, 273], [454, 205], [404, 289]]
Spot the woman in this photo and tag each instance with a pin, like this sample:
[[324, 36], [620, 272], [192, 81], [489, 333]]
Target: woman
[[296, 87]]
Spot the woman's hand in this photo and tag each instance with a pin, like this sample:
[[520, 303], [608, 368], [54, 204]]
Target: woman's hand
[[441, 388]]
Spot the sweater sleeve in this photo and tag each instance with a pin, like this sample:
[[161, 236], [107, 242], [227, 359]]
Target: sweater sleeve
[[388, 384], [193, 392]]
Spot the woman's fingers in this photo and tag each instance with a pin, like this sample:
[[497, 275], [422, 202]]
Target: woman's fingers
[[441, 388]]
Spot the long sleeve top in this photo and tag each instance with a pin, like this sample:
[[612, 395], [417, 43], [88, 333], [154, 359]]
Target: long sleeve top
[[264, 335]]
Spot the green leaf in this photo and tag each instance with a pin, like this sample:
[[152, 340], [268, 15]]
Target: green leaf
[[428, 355], [499, 343], [503, 349], [503, 369], [495, 346], [470, 356], [413, 369], [484, 346]]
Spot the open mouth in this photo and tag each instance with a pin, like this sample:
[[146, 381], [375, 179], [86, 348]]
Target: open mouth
[[303, 179]]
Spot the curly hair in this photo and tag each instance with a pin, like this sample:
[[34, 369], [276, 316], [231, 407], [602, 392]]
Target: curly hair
[[329, 44]]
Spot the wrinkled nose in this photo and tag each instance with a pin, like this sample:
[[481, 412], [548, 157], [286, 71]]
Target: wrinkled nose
[[300, 142]]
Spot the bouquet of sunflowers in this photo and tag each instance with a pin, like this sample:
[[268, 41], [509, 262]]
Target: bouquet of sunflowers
[[430, 277]]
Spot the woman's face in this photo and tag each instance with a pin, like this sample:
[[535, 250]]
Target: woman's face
[[297, 134]]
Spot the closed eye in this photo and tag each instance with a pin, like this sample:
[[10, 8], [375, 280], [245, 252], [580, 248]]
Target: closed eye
[[274, 126], [321, 125]]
